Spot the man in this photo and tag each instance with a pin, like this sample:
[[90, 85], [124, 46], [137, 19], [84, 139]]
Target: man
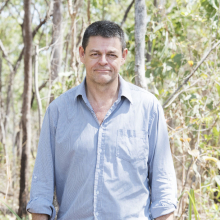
[[104, 144]]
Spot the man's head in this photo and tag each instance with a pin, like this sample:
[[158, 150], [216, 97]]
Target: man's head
[[103, 52], [105, 29]]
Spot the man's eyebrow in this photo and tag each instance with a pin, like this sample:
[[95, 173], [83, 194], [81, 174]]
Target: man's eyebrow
[[93, 50], [110, 51]]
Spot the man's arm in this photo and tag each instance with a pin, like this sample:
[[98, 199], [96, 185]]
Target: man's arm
[[42, 186], [166, 217], [39, 216], [162, 178]]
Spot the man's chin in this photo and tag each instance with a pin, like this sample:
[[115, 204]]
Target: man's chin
[[104, 80]]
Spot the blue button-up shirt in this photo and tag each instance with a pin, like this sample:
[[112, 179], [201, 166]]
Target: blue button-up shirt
[[119, 170]]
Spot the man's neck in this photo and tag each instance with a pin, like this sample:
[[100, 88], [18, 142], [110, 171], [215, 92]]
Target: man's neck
[[101, 95]]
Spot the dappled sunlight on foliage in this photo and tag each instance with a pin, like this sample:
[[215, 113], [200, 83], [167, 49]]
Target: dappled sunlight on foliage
[[179, 35]]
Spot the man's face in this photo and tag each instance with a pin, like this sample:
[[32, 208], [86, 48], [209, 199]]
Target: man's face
[[102, 58]]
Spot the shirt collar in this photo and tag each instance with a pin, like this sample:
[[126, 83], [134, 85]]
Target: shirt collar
[[124, 90], [81, 90]]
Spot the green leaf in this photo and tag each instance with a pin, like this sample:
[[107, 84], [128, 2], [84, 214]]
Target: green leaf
[[178, 58], [210, 105], [218, 89], [212, 3], [94, 3], [215, 132], [217, 179], [192, 198], [190, 209], [10, 209], [158, 27]]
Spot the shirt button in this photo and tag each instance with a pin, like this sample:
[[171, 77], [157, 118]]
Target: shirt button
[[97, 192], [97, 213]]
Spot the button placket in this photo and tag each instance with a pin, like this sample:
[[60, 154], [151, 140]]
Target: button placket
[[99, 171], [100, 159]]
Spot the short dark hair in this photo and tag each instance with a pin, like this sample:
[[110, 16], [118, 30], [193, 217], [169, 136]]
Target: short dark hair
[[106, 29]]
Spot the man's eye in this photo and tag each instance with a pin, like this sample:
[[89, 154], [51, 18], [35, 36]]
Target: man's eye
[[94, 54], [112, 55]]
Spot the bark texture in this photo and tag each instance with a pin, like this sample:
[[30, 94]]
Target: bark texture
[[1, 106], [140, 30], [26, 116], [57, 39], [39, 104], [73, 10]]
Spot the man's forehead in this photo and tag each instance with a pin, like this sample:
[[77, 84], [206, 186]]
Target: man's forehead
[[99, 42]]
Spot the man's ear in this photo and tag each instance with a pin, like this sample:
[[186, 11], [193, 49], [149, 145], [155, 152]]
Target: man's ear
[[124, 56], [81, 54]]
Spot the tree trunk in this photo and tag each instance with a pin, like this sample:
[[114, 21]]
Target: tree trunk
[[88, 12], [73, 12], [1, 98], [57, 39], [26, 116], [39, 104], [8, 100], [140, 30]]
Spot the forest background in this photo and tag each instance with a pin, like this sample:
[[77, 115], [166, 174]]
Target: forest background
[[180, 55]]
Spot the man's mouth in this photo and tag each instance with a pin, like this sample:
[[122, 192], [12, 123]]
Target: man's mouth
[[102, 70]]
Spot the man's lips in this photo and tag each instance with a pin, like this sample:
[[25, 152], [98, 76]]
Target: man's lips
[[102, 70]]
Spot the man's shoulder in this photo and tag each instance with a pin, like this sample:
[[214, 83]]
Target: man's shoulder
[[63, 101], [140, 95]]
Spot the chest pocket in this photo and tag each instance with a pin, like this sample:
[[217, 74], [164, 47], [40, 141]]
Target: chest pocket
[[132, 145]]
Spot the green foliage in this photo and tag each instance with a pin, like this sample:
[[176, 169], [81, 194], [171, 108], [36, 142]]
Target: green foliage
[[176, 40], [11, 210], [192, 203]]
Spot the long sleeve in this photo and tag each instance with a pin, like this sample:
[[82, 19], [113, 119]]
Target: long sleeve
[[162, 178], [42, 186]]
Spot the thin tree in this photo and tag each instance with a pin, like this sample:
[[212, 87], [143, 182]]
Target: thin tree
[[56, 56], [140, 30], [1, 99], [73, 10], [57, 39], [26, 116]]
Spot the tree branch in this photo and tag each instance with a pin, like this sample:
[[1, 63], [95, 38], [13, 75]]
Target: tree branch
[[171, 7], [5, 55], [43, 21], [80, 35], [174, 96], [73, 11], [14, 68], [1, 9], [18, 60], [126, 13], [39, 89], [8, 194], [17, 63]]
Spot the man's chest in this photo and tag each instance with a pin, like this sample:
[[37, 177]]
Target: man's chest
[[123, 135]]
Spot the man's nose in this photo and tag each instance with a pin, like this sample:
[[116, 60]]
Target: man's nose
[[103, 60]]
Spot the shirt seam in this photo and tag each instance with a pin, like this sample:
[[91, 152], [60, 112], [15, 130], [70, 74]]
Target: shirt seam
[[151, 122]]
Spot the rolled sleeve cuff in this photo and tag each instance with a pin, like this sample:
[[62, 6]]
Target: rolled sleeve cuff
[[41, 206], [162, 208]]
